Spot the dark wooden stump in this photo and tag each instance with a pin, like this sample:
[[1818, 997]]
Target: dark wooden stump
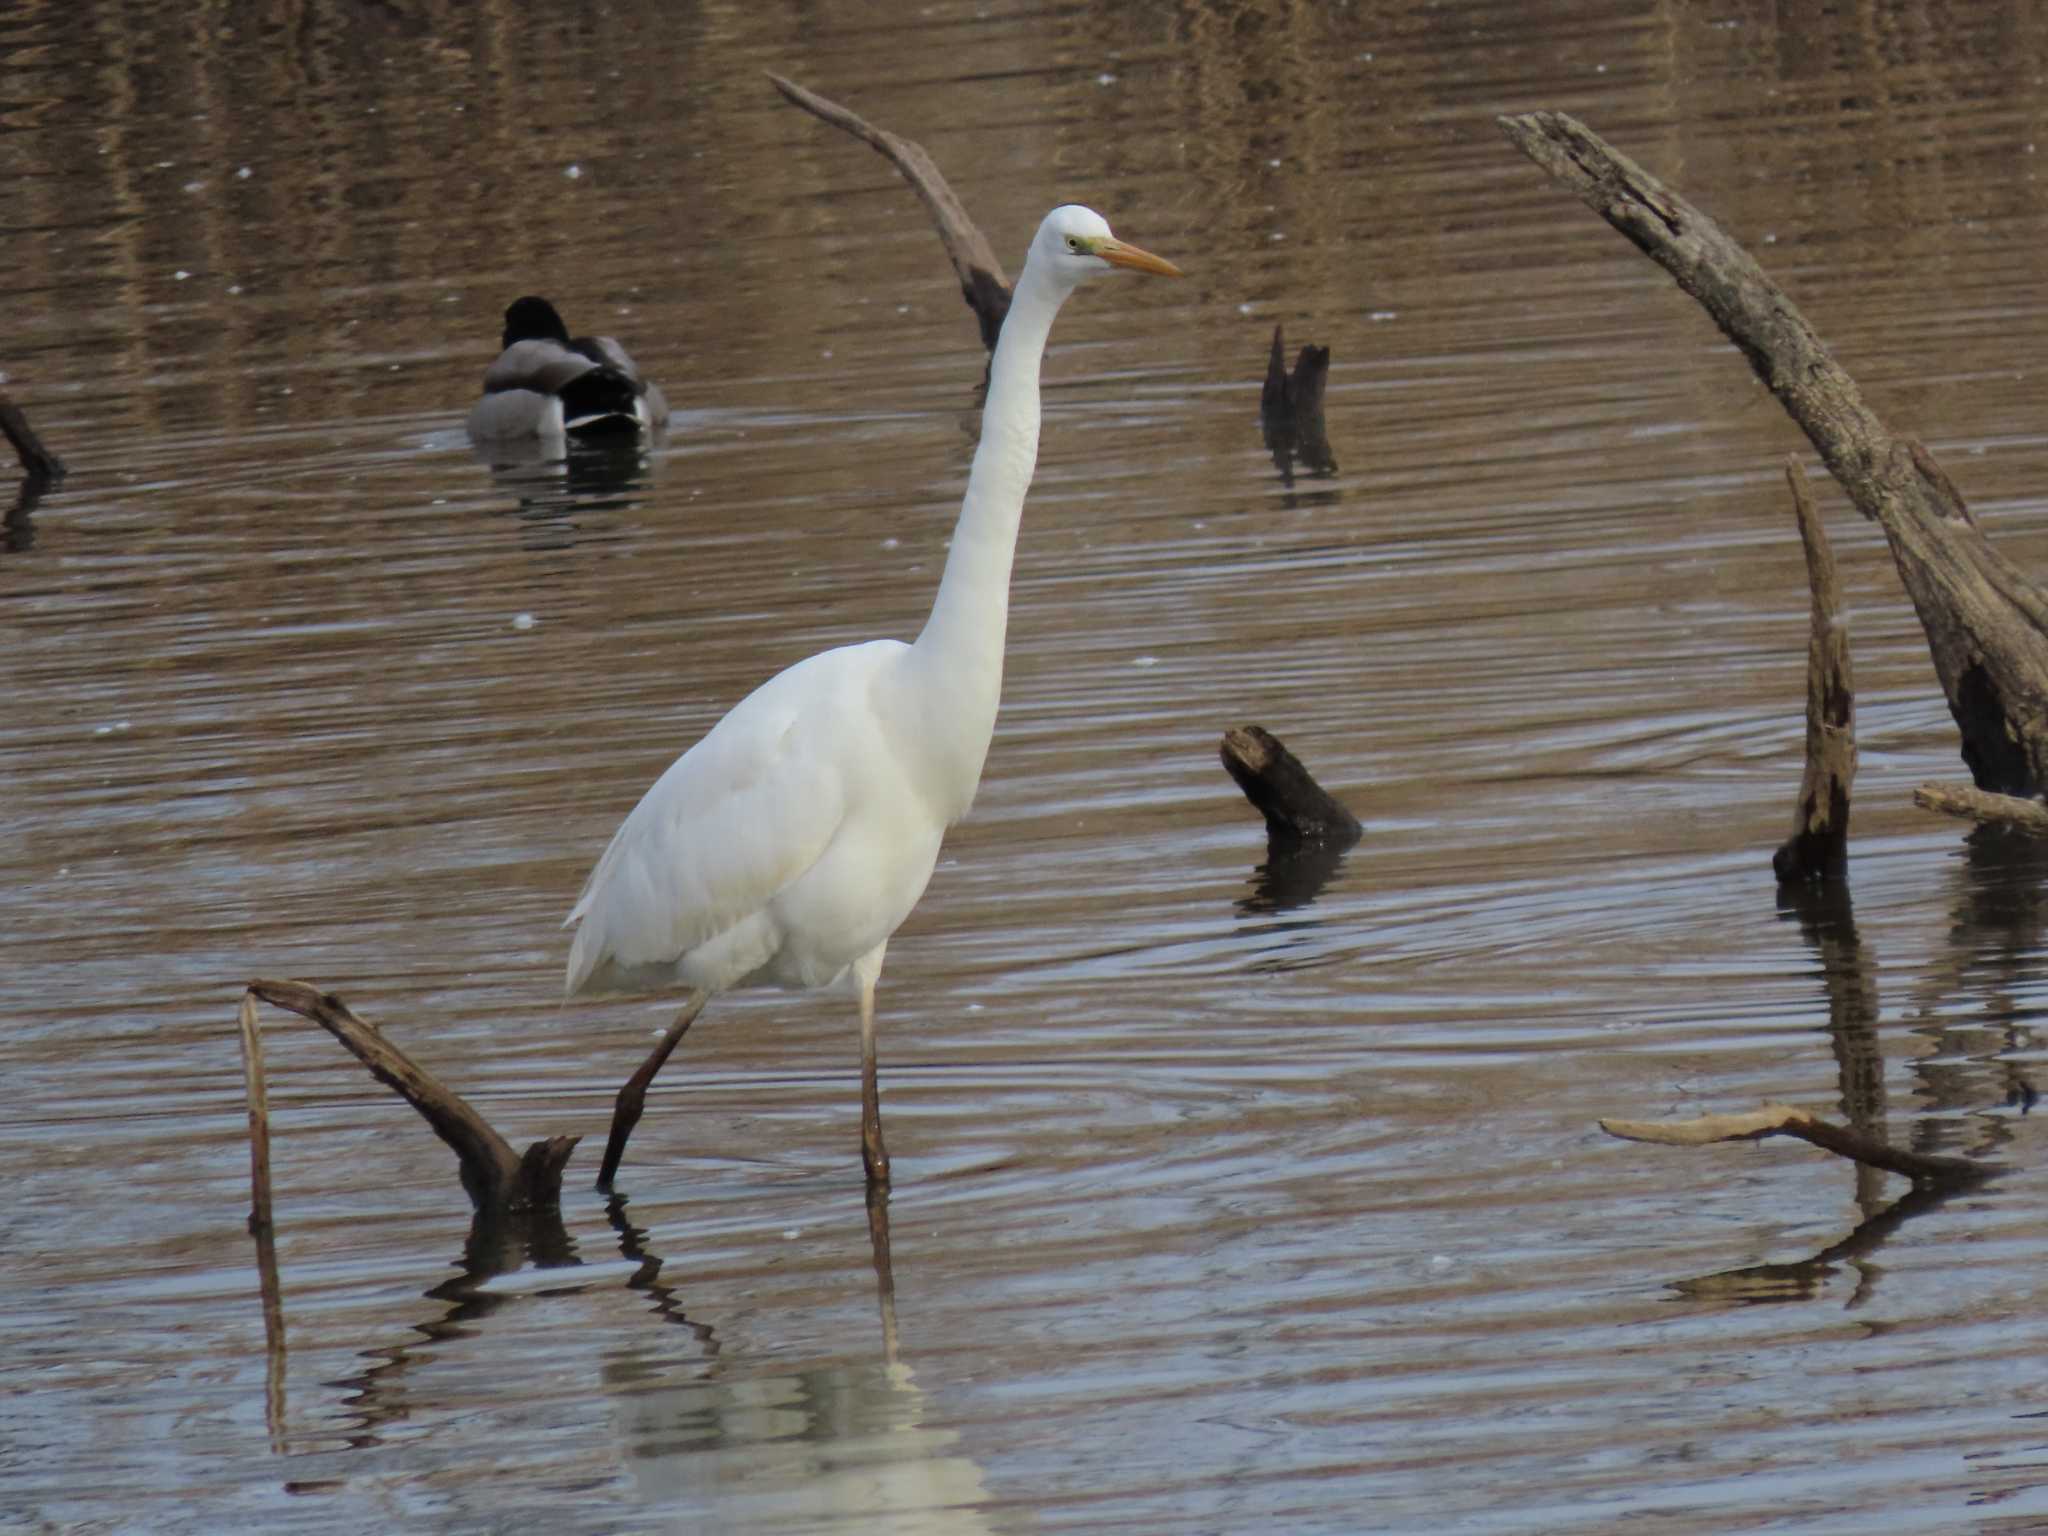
[[1818, 849], [1295, 806]]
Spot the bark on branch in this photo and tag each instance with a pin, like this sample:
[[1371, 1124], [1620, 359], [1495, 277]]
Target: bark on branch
[[1818, 849], [1986, 622], [497, 1178], [1974, 804], [1786, 1120], [982, 283]]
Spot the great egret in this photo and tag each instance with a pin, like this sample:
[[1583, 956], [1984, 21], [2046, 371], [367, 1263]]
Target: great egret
[[786, 846], [546, 385]]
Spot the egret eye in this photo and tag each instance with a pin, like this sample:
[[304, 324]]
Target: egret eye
[[1073, 242]]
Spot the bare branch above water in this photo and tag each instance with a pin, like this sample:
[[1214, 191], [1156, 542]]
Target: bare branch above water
[[1986, 621]]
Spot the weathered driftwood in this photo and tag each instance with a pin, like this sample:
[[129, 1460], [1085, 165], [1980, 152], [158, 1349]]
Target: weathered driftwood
[[1283, 791], [258, 1092], [1291, 410], [982, 283], [1986, 622], [496, 1177], [37, 462], [1787, 1120], [1818, 849], [1979, 805]]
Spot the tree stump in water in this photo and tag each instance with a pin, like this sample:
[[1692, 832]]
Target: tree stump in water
[[1818, 849], [1295, 806]]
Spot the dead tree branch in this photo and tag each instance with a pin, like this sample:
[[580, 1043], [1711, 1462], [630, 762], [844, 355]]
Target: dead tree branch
[[1976, 805], [497, 1178], [1986, 622], [1786, 1120], [37, 462], [982, 283], [1818, 849]]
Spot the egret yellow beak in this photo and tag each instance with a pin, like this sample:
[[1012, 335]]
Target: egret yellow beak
[[1119, 254]]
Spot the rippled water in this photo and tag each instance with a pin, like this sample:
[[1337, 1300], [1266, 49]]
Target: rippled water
[[1217, 1206]]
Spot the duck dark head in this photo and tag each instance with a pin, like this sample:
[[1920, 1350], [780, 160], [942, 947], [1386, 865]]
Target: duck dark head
[[533, 319]]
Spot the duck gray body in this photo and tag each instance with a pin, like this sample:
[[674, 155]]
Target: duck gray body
[[551, 386]]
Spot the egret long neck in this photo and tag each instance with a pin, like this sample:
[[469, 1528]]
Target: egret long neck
[[961, 646]]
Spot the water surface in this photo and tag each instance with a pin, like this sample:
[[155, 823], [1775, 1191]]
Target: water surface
[[1216, 1208]]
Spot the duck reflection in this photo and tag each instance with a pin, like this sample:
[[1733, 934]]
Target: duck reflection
[[549, 489]]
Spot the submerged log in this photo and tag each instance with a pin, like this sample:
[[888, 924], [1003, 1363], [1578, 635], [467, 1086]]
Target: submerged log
[[982, 283], [497, 1178], [1986, 621], [1295, 806], [1787, 1120], [1818, 849]]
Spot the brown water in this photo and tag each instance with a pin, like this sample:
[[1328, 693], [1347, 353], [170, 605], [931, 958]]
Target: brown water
[[1212, 1213]]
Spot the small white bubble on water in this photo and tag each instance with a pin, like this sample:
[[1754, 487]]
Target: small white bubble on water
[[524, 621], [574, 172], [1145, 661]]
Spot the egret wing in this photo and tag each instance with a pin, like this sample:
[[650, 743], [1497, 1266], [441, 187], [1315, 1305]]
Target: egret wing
[[733, 822]]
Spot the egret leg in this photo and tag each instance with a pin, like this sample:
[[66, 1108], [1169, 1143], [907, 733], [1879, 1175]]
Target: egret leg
[[633, 1097], [872, 1152]]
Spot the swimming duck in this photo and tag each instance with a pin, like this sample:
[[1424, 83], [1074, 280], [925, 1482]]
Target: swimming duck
[[546, 385]]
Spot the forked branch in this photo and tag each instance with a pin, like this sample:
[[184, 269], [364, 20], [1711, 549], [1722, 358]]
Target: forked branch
[[496, 1177]]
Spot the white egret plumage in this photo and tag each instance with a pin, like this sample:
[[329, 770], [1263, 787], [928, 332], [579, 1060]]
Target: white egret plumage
[[787, 845]]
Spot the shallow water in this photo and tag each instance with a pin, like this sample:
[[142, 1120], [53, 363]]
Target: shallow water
[[1219, 1204]]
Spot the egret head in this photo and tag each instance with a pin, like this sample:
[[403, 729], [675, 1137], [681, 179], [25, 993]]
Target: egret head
[[1075, 243]]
